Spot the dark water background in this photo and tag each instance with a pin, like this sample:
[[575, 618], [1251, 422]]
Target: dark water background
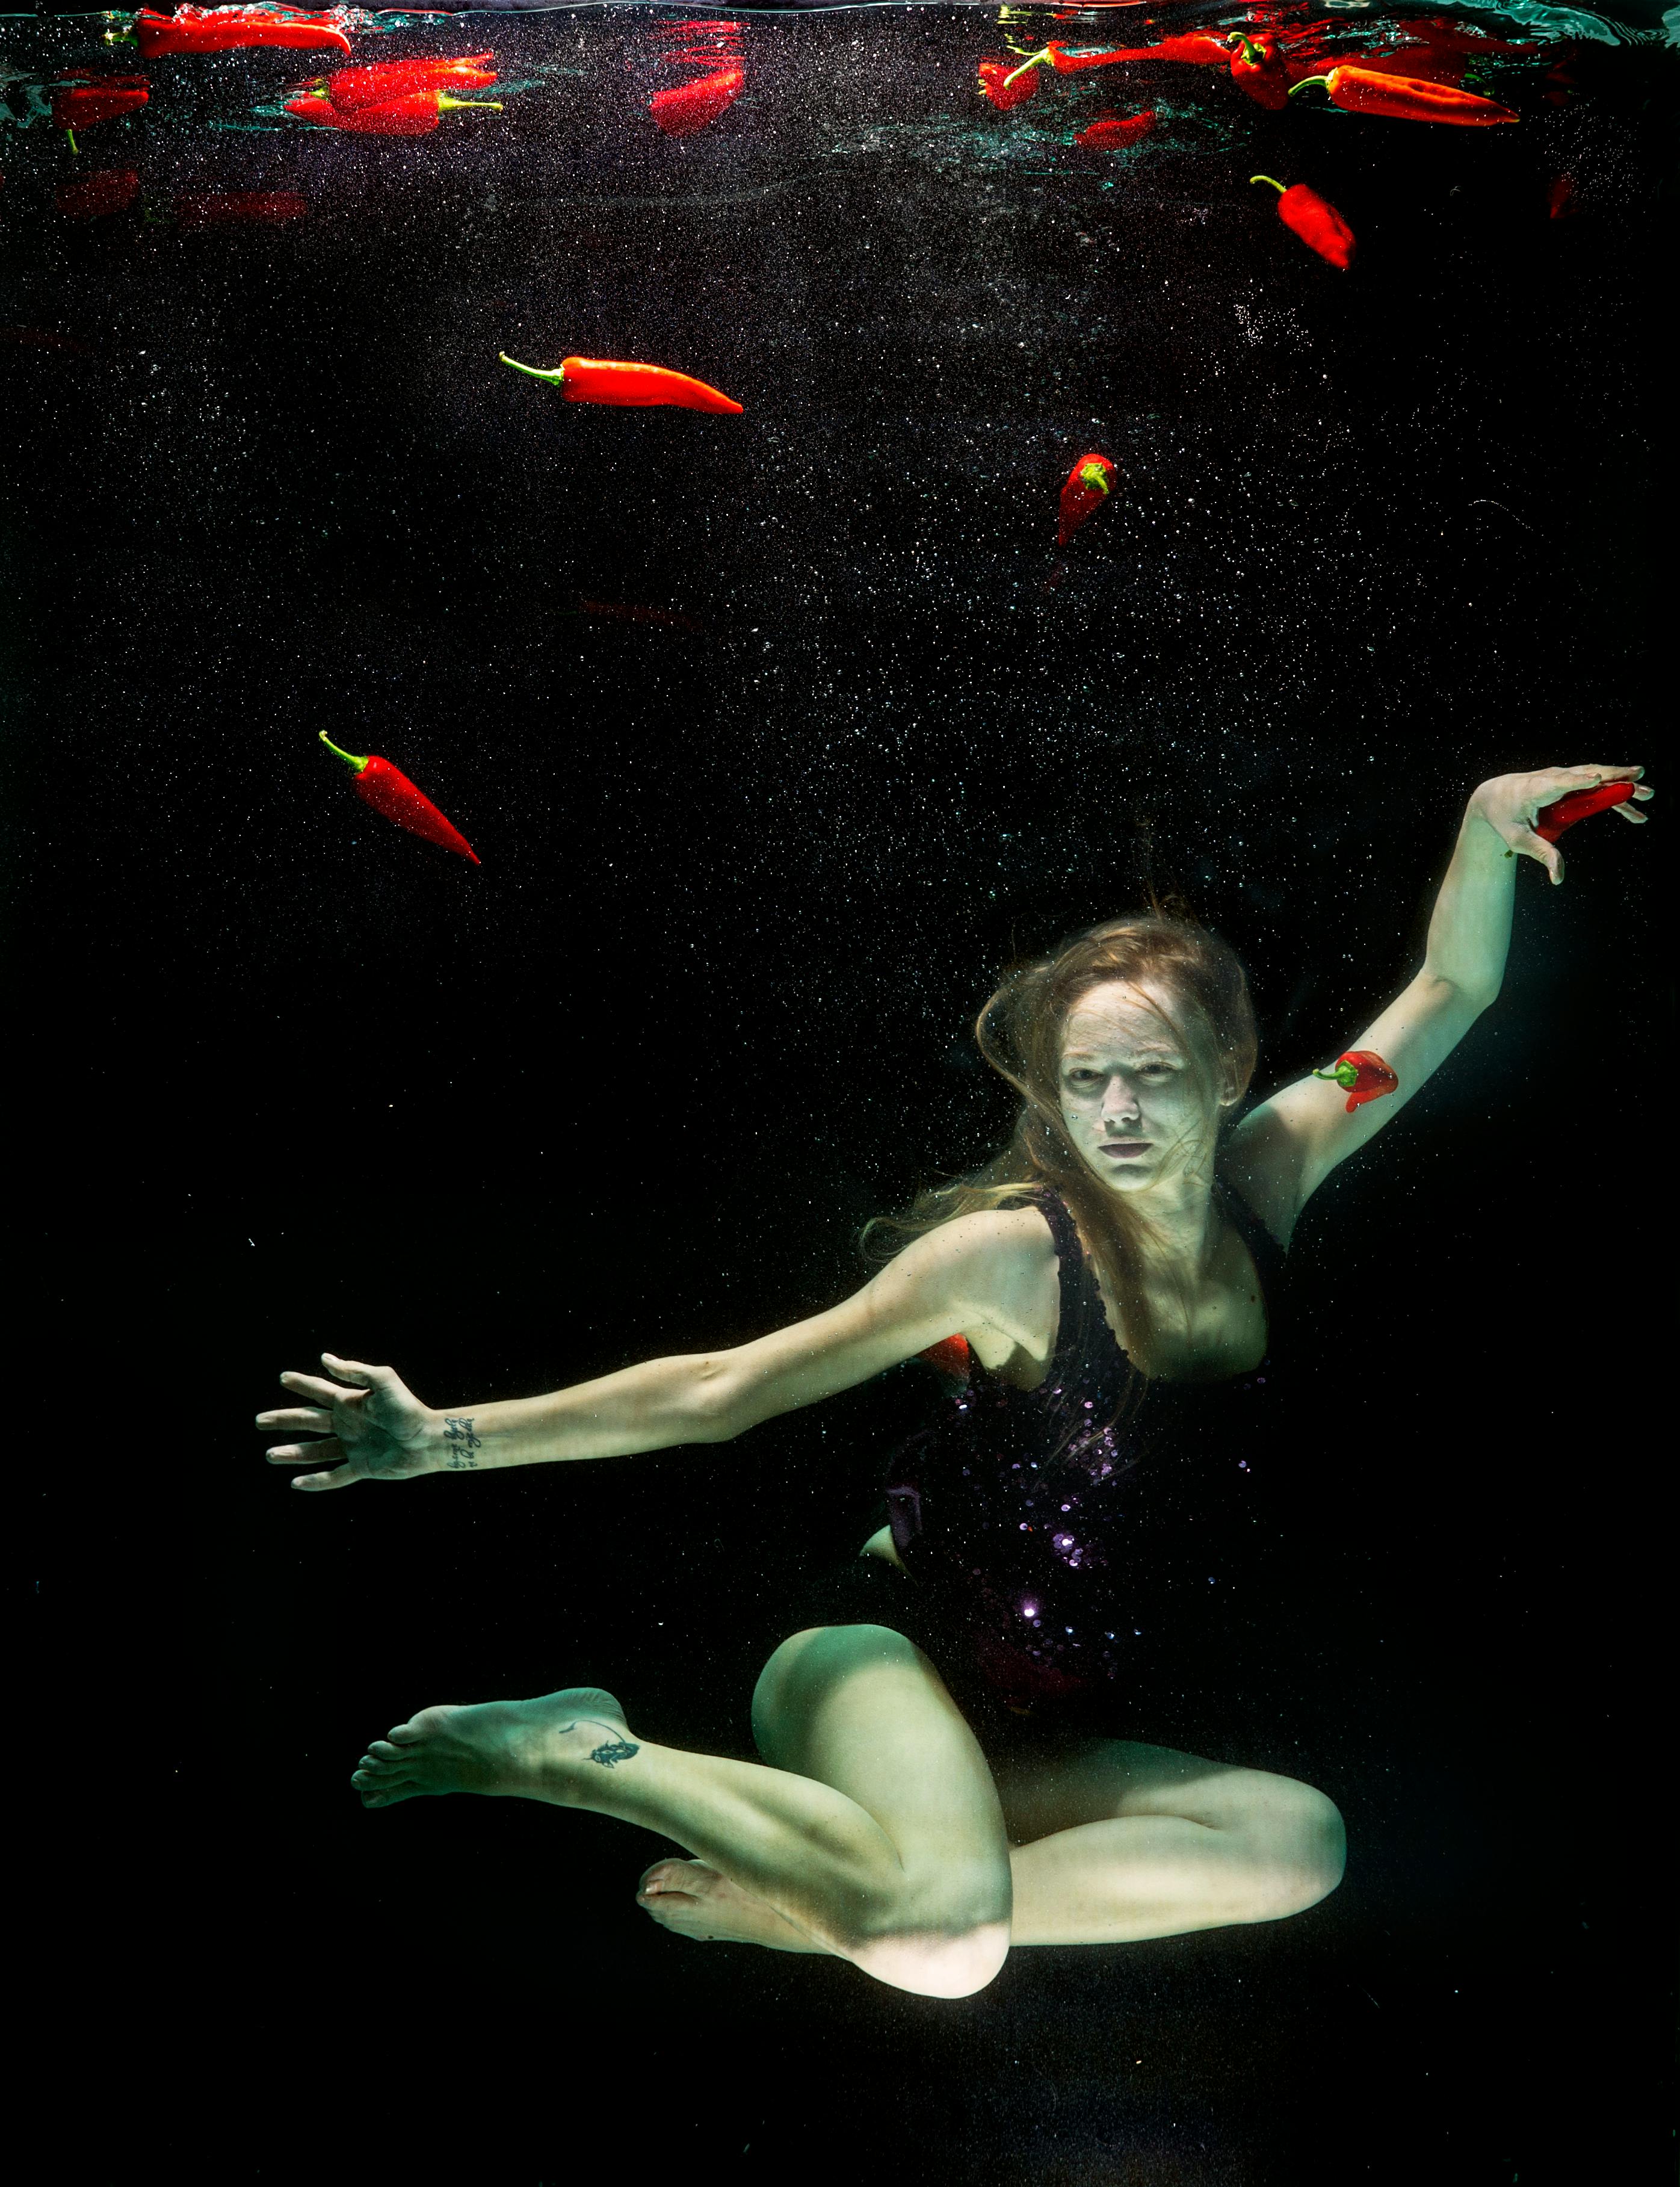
[[290, 1079]]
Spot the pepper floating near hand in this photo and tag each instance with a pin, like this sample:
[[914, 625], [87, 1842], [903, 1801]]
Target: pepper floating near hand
[[1363, 1076], [1582, 805], [1315, 219], [1086, 488], [1405, 97], [1528, 813], [392, 796], [627, 387]]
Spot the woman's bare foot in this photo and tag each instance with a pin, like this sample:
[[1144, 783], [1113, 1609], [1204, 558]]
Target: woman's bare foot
[[694, 1900], [535, 1750]]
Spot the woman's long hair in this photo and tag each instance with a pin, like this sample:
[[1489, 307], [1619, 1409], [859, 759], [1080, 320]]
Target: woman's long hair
[[1020, 1033]]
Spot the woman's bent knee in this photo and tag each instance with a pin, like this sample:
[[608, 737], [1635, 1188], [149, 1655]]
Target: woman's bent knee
[[1308, 1863], [933, 1963], [810, 1663]]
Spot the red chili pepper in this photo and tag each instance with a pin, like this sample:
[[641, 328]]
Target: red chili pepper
[[1561, 198], [1257, 68], [79, 106], [1116, 132], [227, 29], [212, 208], [1086, 488], [1007, 83], [113, 189], [1363, 1076], [1579, 805], [683, 108], [627, 387], [415, 115], [950, 1356], [1406, 98], [1315, 219], [378, 82], [1199, 46], [392, 796]]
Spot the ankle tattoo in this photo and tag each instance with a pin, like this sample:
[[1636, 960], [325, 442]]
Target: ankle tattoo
[[610, 1750]]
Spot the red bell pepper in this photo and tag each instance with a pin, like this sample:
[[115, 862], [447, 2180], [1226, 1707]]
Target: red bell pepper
[[1117, 132], [1315, 219], [392, 796], [1363, 1076], [228, 30], [1257, 68], [113, 189], [378, 82], [951, 1356], [627, 387], [415, 115], [1007, 83], [1406, 98], [683, 108], [214, 208], [1086, 488], [80, 105], [1579, 805]]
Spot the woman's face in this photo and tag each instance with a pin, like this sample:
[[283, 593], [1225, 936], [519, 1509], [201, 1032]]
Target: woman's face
[[1129, 1098]]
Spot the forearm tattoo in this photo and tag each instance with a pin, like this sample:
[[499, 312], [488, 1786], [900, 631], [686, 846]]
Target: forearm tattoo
[[459, 1442]]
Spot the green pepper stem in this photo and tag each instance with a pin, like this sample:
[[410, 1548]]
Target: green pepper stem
[[554, 378], [446, 103], [1307, 80], [74, 146], [1252, 52], [1277, 185], [359, 764], [1036, 61]]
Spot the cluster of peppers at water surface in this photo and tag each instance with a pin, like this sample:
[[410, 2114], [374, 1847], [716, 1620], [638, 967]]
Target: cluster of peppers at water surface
[[1270, 70]]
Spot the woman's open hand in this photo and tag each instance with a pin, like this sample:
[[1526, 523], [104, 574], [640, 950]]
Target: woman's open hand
[[367, 1418], [1511, 804]]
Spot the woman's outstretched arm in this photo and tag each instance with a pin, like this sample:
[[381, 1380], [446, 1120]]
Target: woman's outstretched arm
[[1285, 1149], [983, 1272]]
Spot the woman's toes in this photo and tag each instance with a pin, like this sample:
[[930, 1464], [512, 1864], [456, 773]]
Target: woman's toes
[[383, 1751], [668, 1876]]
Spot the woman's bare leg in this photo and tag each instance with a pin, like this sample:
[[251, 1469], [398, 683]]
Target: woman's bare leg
[[899, 1865], [1112, 1841]]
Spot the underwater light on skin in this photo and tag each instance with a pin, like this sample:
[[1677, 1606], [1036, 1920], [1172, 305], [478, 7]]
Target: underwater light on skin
[[1129, 1096]]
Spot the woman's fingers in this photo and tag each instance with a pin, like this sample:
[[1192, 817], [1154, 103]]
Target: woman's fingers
[[323, 1392], [310, 1417], [1528, 845], [306, 1453], [353, 1370], [341, 1479]]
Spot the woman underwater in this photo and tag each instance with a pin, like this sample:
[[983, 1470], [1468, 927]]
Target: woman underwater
[[1111, 1274]]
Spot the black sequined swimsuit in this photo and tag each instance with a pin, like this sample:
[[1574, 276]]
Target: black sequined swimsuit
[[1051, 1529]]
